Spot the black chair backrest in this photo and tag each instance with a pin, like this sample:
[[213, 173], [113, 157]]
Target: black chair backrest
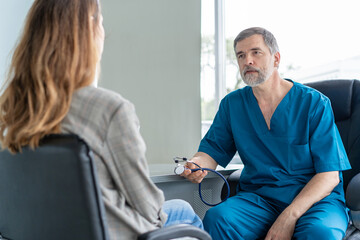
[[345, 101], [51, 193]]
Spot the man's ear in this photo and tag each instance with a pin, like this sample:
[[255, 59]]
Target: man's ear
[[277, 59]]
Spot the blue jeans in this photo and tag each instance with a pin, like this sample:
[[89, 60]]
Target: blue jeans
[[181, 212]]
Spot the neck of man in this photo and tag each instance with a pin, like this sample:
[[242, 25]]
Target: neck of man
[[273, 90]]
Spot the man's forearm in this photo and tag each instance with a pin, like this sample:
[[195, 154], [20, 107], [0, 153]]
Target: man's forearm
[[320, 186], [204, 160]]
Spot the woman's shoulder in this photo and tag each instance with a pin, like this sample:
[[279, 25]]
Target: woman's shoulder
[[99, 95], [92, 110], [99, 103]]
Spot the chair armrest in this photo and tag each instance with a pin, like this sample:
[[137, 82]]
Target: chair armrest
[[353, 193], [233, 181], [175, 231], [353, 199]]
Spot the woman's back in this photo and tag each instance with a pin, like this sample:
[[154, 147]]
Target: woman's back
[[108, 123]]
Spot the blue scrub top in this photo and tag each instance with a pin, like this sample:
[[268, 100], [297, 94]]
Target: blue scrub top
[[303, 140]]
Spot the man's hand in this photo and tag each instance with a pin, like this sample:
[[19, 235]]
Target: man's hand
[[203, 160], [283, 228], [194, 177]]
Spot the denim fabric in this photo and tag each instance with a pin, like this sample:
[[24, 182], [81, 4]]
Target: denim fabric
[[181, 212]]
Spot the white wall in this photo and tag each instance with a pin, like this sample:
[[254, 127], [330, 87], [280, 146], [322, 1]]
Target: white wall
[[12, 15], [152, 57]]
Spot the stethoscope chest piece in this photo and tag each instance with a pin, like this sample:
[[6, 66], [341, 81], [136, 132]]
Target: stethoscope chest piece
[[179, 169]]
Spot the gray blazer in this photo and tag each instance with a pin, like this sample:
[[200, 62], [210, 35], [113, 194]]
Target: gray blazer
[[108, 123]]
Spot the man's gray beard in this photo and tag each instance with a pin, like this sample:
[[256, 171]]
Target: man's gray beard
[[253, 81]]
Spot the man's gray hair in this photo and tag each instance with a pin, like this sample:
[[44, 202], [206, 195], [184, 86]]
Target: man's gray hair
[[268, 37]]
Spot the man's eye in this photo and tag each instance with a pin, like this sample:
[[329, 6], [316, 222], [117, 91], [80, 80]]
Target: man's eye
[[241, 56]]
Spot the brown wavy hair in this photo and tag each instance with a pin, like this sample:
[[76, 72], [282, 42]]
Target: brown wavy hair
[[56, 55]]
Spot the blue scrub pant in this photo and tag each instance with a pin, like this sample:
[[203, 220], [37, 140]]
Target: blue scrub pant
[[249, 216]]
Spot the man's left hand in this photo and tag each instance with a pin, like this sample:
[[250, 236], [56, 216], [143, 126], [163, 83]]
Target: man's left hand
[[283, 227]]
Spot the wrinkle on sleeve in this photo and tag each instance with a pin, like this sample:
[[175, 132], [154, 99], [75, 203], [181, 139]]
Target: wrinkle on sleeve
[[325, 141]]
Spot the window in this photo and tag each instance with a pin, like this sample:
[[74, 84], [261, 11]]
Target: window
[[317, 39], [208, 104]]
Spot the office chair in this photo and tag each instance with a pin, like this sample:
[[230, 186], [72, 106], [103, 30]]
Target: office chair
[[52, 193], [345, 101]]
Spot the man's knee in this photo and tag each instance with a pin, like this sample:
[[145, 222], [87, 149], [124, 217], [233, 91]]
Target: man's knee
[[215, 219], [319, 230], [227, 226], [212, 215], [325, 220], [217, 225]]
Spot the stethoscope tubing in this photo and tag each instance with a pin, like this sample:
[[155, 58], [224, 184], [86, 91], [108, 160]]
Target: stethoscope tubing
[[220, 175]]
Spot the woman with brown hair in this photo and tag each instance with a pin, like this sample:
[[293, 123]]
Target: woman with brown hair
[[51, 88]]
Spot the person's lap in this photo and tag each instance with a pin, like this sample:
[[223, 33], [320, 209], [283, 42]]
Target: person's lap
[[248, 216], [244, 216]]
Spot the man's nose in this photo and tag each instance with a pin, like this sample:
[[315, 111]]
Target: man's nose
[[249, 60]]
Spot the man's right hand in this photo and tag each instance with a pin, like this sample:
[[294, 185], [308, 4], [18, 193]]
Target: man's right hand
[[203, 160], [194, 177]]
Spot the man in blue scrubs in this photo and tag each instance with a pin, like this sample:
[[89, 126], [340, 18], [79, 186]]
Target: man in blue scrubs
[[291, 184]]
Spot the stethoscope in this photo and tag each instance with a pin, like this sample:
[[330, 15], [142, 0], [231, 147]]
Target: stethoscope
[[179, 169]]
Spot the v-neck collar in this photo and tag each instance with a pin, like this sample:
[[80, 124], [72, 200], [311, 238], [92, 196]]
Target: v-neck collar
[[277, 113]]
